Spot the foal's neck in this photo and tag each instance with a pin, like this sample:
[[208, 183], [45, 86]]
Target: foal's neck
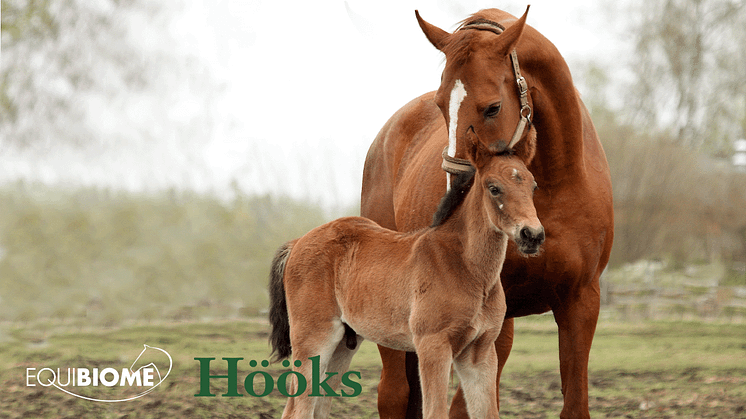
[[482, 247]]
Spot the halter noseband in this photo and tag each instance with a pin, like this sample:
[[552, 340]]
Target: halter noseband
[[455, 165]]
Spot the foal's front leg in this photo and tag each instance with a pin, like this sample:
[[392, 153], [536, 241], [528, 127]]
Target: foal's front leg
[[476, 367], [435, 357]]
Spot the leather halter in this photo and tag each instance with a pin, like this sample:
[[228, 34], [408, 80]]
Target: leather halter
[[455, 165]]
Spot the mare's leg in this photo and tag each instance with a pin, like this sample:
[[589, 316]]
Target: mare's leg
[[476, 367], [414, 406], [339, 363], [576, 319], [309, 341], [393, 390], [435, 356], [503, 345]]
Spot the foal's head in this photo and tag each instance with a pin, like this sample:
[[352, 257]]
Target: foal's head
[[500, 187], [507, 190]]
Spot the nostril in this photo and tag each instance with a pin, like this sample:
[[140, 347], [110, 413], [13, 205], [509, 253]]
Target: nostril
[[529, 234], [541, 236]]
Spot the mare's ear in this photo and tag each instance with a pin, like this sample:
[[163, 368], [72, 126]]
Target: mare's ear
[[438, 37], [506, 42]]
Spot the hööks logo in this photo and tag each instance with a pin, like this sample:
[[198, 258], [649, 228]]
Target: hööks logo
[[315, 383], [147, 375]]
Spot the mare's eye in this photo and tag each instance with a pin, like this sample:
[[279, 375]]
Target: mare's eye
[[492, 110], [494, 190]]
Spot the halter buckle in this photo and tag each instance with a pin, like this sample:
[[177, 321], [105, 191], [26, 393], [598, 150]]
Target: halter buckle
[[522, 85]]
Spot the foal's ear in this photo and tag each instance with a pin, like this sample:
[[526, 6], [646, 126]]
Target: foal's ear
[[476, 152], [438, 37], [506, 42]]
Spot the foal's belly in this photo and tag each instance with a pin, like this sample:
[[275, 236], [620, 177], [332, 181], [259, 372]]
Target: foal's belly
[[400, 342], [384, 326], [374, 288]]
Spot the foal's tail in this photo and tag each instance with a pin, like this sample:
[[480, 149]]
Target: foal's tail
[[278, 307]]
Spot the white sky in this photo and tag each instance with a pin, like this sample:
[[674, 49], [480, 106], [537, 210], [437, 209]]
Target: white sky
[[321, 78], [306, 87]]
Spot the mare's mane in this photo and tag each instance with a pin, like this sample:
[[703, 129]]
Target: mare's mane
[[459, 49]]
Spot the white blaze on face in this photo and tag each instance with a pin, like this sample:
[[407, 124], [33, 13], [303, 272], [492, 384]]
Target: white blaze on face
[[457, 96]]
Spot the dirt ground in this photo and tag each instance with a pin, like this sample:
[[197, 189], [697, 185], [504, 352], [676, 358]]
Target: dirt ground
[[689, 394]]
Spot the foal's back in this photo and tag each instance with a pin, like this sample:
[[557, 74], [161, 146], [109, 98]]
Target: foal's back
[[349, 259], [367, 275]]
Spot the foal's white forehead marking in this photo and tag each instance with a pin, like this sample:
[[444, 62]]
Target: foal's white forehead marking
[[457, 96], [515, 172]]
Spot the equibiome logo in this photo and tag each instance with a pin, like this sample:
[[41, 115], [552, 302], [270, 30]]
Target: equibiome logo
[[72, 380]]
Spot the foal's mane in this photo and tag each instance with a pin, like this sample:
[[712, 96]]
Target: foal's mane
[[460, 186]]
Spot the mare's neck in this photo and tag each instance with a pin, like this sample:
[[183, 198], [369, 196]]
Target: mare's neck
[[558, 117]]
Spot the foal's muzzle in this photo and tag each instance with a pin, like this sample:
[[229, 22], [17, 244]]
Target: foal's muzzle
[[530, 240]]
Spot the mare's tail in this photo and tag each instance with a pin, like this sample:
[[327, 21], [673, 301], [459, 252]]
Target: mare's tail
[[278, 307]]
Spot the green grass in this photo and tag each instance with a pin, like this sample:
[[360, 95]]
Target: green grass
[[647, 370], [645, 346]]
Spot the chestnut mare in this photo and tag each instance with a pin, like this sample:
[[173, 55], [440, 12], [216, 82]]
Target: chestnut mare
[[436, 291], [403, 180]]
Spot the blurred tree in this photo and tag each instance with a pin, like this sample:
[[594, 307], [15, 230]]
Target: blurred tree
[[667, 204], [57, 53], [688, 71]]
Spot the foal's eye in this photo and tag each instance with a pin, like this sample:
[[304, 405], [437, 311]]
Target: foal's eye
[[494, 190], [492, 111]]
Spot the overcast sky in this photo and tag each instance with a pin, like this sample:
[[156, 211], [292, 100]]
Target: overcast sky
[[303, 89], [316, 80]]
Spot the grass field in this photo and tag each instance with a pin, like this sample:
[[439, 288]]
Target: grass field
[[646, 370]]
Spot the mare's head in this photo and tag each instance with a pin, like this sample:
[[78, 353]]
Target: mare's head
[[479, 89]]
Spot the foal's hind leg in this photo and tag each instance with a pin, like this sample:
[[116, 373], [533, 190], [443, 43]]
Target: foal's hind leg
[[320, 339], [476, 367], [339, 364]]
